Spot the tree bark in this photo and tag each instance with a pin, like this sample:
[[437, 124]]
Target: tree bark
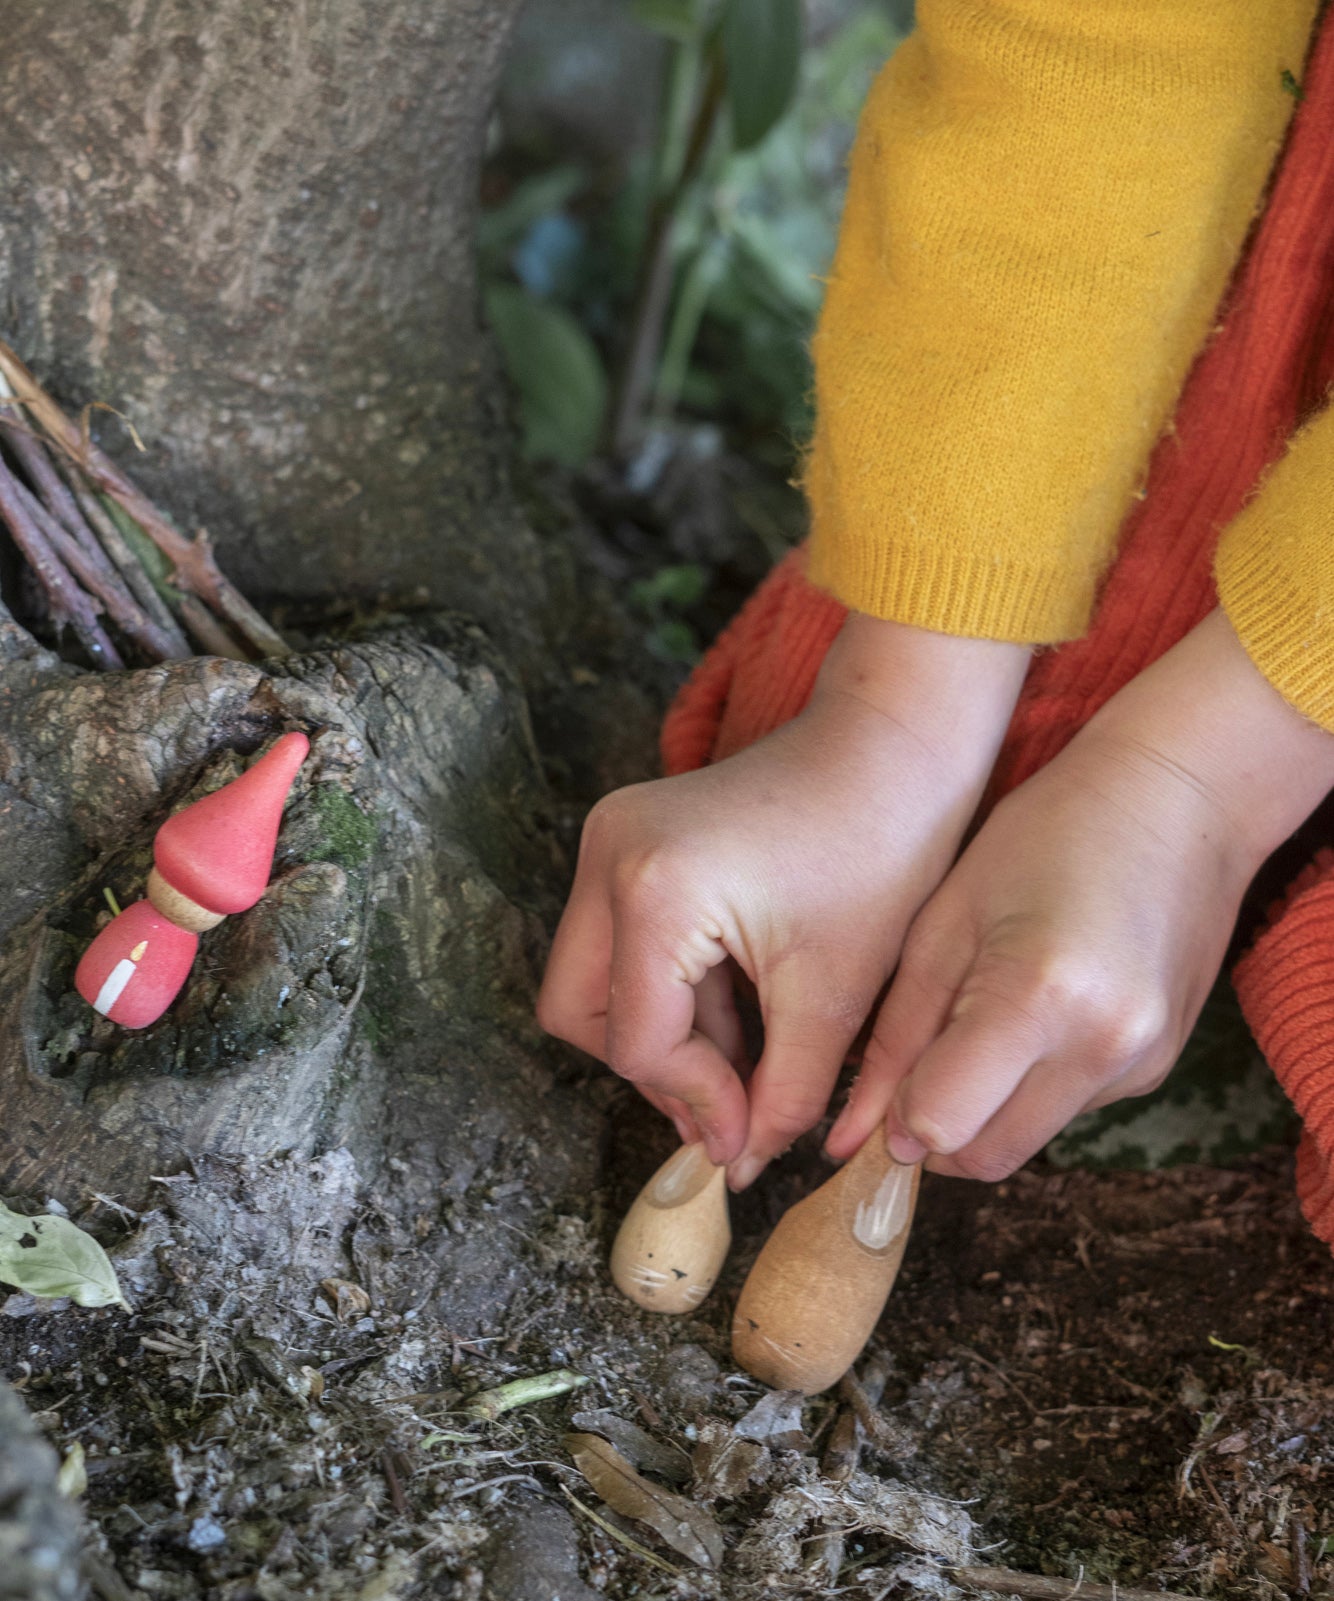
[[40, 1531], [248, 226]]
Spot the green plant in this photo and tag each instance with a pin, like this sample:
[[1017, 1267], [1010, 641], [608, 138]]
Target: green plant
[[661, 598], [698, 282]]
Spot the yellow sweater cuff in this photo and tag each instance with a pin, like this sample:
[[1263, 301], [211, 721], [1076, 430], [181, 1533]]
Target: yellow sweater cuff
[[1275, 573], [1044, 205]]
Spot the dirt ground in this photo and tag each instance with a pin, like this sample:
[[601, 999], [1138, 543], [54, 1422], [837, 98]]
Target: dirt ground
[[1109, 1377]]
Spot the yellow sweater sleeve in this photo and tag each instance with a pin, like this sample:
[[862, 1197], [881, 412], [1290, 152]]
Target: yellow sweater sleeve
[[1045, 200], [1275, 572]]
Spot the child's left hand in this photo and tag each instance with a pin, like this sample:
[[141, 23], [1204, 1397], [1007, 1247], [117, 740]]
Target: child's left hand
[[1063, 962]]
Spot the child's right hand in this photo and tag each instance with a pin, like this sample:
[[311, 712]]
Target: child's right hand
[[804, 859]]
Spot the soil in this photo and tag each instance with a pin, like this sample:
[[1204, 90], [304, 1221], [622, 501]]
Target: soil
[[1121, 1376], [1116, 1378]]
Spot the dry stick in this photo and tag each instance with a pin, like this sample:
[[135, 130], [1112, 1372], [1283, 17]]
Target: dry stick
[[98, 578], [209, 634], [69, 604], [842, 1454], [58, 500], [46, 482], [128, 564], [884, 1435], [195, 567], [1034, 1587], [860, 1419], [85, 521], [1301, 1565]]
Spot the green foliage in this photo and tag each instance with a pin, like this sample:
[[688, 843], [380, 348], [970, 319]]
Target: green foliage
[[557, 371], [673, 19], [669, 591], [49, 1256], [761, 46], [748, 164]]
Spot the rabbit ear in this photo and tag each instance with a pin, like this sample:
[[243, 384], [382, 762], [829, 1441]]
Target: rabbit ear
[[219, 851], [134, 969], [671, 1246]]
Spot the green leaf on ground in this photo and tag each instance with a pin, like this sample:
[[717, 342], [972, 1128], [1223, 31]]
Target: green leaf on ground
[[50, 1256]]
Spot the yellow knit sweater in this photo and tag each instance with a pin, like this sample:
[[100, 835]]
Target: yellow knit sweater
[[1045, 202]]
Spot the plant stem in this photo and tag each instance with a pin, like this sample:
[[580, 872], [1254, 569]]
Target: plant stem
[[653, 294], [129, 566], [206, 631]]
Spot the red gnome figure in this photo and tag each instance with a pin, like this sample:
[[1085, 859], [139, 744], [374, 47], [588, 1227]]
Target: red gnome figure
[[211, 860]]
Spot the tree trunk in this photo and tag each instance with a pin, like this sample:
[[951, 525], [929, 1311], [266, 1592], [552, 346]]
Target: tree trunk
[[392, 961], [248, 226]]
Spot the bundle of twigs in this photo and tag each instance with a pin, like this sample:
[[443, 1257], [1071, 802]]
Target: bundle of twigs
[[113, 569]]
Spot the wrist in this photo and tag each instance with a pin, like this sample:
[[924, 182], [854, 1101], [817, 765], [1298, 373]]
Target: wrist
[[1205, 716], [956, 694]]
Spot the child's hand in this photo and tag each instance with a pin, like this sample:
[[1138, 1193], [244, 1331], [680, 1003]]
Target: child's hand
[[1063, 962], [803, 858]]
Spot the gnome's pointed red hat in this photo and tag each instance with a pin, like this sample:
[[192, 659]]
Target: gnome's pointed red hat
[[219, 852]]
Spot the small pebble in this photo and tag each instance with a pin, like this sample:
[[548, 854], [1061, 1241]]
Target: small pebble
[[206, 1534]]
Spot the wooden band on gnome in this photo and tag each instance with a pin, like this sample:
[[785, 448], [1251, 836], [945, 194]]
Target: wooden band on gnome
[[182, 911]]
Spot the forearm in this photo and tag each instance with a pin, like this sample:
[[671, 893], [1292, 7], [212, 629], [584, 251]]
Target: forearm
[[1219, 730], [955, 694], [1044, 206]]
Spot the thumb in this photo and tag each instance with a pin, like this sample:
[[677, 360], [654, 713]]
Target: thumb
[[812, 1014]]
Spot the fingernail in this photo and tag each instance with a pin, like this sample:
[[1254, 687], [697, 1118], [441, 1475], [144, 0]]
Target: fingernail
[[714, 1148], [744, 1171], [903, 1148]]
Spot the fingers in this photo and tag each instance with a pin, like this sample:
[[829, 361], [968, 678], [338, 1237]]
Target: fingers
[[1050, 1096], [717, 1018], [811, 1018], [572, 1002], [1047, 1097], [935, 960], [965, 1076], [620, 984], [1031, 1041], [651, 1038], [677, 1112]]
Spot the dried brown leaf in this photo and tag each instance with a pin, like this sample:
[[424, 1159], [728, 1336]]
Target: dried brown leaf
[[685, 1527], [725, 1465], [638, 1445], [348, 1300]]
